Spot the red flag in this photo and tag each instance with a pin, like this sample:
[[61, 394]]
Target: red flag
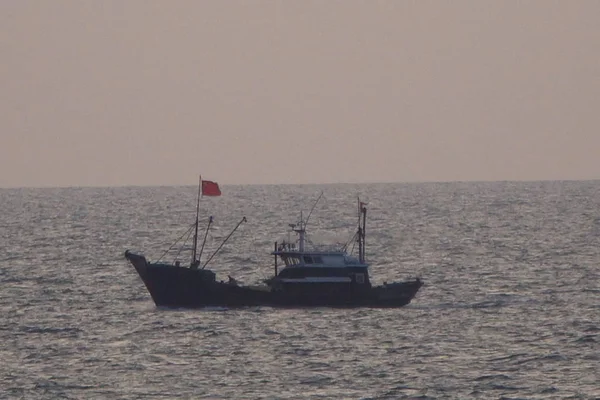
[[210, 188]]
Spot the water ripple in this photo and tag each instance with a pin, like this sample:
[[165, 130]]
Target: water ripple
[[509, 309]]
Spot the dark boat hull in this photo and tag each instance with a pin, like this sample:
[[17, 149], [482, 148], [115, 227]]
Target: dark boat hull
[[183, 287]]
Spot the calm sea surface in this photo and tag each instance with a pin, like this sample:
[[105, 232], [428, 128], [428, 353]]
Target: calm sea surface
[[510, 308]]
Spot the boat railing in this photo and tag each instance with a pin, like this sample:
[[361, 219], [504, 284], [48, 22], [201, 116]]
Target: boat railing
[[312, 248], [325, 248]]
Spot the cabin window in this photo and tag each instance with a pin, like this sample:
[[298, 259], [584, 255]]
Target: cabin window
[[317, 260], [334, 260], [308, 259]]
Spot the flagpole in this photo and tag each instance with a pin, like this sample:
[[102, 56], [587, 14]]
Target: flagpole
[[194, 261]]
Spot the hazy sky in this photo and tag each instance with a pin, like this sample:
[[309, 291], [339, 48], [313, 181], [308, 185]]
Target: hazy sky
[[96, 93]]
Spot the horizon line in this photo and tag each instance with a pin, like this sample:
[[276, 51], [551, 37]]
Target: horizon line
[[302, 184]]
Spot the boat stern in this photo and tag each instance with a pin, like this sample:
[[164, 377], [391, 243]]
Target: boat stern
[[398, 293]]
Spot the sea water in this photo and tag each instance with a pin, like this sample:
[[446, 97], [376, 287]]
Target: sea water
[[510, 307]]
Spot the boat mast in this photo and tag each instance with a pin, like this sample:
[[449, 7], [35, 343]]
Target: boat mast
[[275, 259], [364, 230], [362, 212], [301, 231], [195, 262]]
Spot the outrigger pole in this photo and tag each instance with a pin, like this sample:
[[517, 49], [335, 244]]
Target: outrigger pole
[[210, 221], [224, 241]]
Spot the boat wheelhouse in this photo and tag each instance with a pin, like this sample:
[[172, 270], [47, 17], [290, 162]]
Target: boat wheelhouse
[[318, 271]]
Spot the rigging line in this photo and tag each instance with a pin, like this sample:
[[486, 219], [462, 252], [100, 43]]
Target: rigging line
[[224, 241], [210, 221], [255, 256], [189, 232], [174, 243], [311, 210], [353, 246], [251, 250], [351, 240]]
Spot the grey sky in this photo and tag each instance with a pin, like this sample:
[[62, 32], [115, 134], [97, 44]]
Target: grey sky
[[96, 93]]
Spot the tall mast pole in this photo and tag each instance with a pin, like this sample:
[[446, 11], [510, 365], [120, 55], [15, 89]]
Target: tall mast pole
[[362, 226], [364, 230], [196, 225], [301, 232], [360, 235]]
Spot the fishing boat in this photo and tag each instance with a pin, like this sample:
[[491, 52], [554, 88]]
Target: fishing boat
[[311, 275]]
